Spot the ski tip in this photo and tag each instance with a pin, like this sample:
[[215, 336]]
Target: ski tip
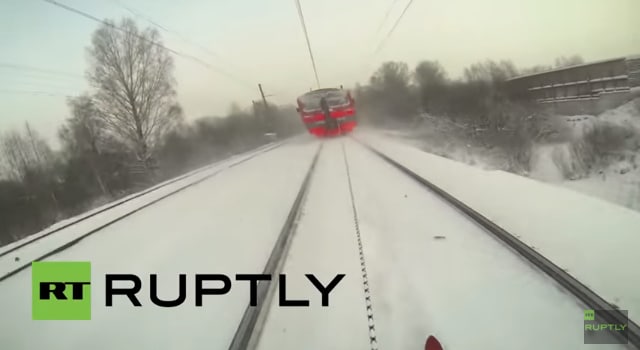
[[432, 344]]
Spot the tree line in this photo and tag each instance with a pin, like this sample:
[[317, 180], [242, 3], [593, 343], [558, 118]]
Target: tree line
[[126, 133], [397, 92], [397, 95]]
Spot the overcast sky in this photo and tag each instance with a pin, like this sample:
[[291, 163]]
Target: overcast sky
[[262, 41]]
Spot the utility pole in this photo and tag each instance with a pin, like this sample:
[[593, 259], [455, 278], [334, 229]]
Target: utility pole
[[266, 108], [264, 99], [40, 162]]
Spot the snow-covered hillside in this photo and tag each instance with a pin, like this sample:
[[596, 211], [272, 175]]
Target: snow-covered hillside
[[563, 158]]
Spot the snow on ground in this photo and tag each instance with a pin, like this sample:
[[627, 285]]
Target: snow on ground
[[433, 271], [596, 241], [622, 189], [149, 195], [227, 224], [467, 288], [553, 159], [325, 245], [446, 138], [45, 244], [627, 115], [619, 182]]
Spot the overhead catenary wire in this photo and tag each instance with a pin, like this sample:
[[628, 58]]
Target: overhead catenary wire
[[40, 85], [386, 16], [33, 92], [181, 37], [164, 28], [186, 40], [34, 81], [368, 65], [306, 35], [31, 69], [395, 25], [170, 50]]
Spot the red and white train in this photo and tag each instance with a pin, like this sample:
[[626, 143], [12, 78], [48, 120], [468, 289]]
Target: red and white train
[[327, 112]]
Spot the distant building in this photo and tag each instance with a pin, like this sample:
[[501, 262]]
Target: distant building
[[588, 88]]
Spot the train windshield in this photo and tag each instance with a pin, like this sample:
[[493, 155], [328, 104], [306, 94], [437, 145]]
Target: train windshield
[[335, 98]]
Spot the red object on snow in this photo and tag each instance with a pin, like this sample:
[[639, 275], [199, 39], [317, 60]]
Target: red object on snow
[[432, 344]]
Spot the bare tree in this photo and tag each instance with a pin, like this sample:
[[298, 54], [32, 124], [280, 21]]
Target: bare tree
[[431, 79], [16, 154], [490, 71], [135, 94], [391, 74], [391, 86], [40, 150], [30, 160], [26, 153], [430, 73], [84, 133]]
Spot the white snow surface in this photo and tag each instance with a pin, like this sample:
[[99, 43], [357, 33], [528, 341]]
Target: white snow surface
[[618, 183], [40, 247], [143, 197], [432, 271], [325, 245], [227, 224], [555, 158], [466, 288], [594, 240]]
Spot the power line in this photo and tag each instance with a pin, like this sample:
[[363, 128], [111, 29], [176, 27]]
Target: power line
[[175, 52], [386, 16], [38, 70], [182, 38], [369, 65], [39, 85], [165, 29], [33, 92], [304, 28], [394, 27]]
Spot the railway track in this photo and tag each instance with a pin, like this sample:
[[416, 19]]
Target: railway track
[[588, 297], [129, 198], [249, 329], [243, 158]]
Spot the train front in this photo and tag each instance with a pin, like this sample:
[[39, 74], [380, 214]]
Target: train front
[[340, 118]]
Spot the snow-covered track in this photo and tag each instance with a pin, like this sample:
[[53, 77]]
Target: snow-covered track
[[92, 213], [587, 296], [250, 327], [243, 158]]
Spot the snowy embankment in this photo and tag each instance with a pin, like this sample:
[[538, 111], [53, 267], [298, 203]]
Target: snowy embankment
[[618, 181], [38, 246], [595, 155], [135, 200], [594, 240], [227, 224]]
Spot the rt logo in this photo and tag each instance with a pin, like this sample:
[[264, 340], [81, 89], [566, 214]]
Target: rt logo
[[61, 290]]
